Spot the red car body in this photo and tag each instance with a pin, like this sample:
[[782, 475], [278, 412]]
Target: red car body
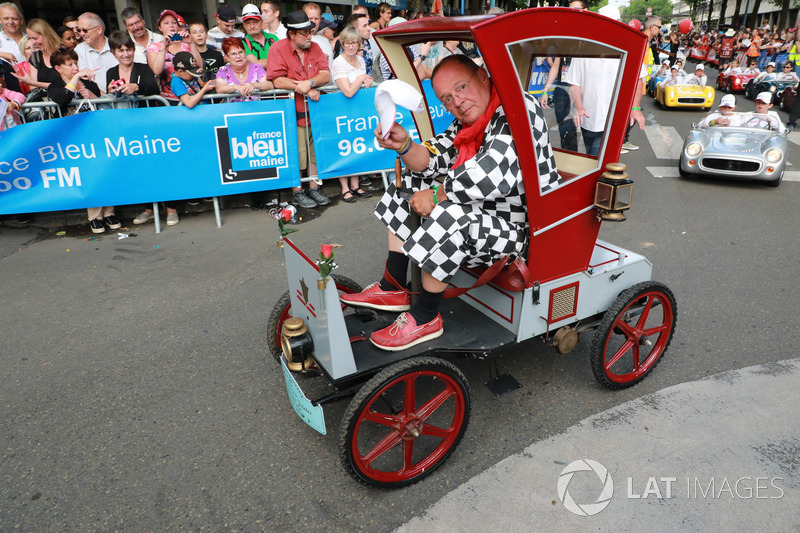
[[733, 82]]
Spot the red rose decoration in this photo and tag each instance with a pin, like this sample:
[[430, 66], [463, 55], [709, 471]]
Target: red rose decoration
[[326, 250], [286, 215]]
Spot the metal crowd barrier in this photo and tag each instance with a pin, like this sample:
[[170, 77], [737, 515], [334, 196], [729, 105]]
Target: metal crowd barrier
[[46, 109]]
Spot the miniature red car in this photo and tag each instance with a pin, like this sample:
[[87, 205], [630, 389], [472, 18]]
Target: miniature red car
[[733, 82]]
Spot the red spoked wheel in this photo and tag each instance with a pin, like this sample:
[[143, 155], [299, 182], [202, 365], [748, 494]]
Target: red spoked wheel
[[405, 422], [633, 335], [283, 310]]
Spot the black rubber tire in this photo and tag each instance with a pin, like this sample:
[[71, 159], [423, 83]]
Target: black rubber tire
[[776, 182], [278, 314], [609, 333], [397, 421]]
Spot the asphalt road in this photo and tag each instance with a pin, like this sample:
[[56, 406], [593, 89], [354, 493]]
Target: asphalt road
[[138, 393]]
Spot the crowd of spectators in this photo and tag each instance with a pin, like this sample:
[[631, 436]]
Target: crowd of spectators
[[249, 52], [764, 44], [244, 53]]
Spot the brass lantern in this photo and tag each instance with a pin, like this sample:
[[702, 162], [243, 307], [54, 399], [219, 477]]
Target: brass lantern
[[613, 193], [296, 344]]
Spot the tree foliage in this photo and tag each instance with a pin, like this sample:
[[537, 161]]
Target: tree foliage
[[638, 9]]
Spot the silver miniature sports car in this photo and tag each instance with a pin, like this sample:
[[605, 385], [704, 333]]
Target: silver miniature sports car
[[735, 153]]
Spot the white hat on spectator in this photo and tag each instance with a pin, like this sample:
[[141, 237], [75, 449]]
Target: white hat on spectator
[[250, 12], [700, 67], [730, 32], [728, 101], [771, 64]]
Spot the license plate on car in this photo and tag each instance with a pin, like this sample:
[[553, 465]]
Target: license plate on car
[[309, 413]]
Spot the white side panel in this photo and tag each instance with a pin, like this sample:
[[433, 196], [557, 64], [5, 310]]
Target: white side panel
[[325, 322], [612, 270]]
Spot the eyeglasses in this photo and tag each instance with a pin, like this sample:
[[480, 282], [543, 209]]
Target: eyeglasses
[[305, 33], [350, 43], [448, 100], [87, 30], [657, 26], [787, 66]]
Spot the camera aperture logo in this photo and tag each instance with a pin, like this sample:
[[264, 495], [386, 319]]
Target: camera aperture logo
[[252, 146], [585, 465]]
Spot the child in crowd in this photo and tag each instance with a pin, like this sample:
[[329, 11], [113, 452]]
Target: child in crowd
[[13, 101], [212, 59], [184, 82], [77, 83]]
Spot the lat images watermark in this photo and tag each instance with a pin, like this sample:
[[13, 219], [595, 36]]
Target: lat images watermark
[[583, 480], [586, 509]]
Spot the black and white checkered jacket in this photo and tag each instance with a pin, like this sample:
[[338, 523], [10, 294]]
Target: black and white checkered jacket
[[492, 179]]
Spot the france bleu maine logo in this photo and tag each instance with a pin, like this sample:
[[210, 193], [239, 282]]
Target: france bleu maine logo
[[252, 146]]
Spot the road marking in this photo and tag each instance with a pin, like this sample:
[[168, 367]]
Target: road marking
[[666, 142], [791, 175], [664, 172], [794, 136]]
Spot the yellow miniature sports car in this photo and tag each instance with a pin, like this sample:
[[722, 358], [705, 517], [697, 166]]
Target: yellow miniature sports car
[[685, 96]]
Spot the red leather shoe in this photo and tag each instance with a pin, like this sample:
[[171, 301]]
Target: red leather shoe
[[405, 333], [376, 298]]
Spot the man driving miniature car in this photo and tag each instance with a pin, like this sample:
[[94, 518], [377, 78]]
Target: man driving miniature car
[[475, 217], [722, 117]]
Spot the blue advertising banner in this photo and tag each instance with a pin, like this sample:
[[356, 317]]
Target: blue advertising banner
[[344, 142], [127, 156]]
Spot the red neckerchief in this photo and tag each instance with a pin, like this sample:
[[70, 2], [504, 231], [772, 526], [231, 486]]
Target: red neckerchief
[[469, 139]]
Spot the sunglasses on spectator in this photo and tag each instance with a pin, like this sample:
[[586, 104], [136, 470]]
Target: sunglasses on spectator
[[87, 30]]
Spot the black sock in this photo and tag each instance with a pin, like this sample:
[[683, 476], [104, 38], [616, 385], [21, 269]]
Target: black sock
[[397, 267], [427, 306]]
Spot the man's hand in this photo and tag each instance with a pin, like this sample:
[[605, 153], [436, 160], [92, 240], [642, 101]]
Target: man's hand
[[638, 117], [313, 94], [543, 99], [303, 87], [396, 138], [422, 202], [579, 114]]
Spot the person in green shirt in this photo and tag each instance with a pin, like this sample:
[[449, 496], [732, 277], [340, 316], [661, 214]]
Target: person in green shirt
[[256, 40]]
